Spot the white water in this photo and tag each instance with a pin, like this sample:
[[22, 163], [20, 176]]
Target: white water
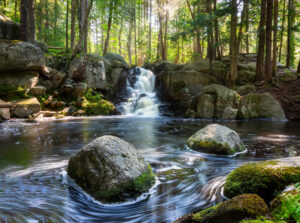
[[142, 100]]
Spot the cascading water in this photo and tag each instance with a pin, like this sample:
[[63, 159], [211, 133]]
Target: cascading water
[[142, 100]]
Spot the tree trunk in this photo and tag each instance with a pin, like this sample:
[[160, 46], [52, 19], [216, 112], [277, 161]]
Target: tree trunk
[[27, 22], [243, 17], [216, 25], [85, 41], [109, 22], [260, 72], [268, 63], [282, 30], [150, 30], [23, 20], [130, 32], [73, 23], [67, 27], [298, 69], [290, 34], [274, 63], [209, 36], [120, 39], [247, 25], [233, 45], [16, 9]]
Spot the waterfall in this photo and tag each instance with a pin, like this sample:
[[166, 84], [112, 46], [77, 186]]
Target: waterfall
[[142, 100]]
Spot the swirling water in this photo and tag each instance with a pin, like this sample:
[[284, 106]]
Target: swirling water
[[34, 186]]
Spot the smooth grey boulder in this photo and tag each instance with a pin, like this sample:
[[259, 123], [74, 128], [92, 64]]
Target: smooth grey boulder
[[18, 56], [111, 170], [38, 90], [216, 139], [260, 106], [116, 60]]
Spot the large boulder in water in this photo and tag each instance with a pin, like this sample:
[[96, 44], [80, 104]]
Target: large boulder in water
[[216, 139], [18, 56], [264, 178], [90, 69], [260, 106], [111, 170], [245, 206]]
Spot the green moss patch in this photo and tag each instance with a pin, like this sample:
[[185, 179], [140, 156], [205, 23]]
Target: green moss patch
[[263, 178], [248, 206], [12, 94], [209, 146], [131, 189]]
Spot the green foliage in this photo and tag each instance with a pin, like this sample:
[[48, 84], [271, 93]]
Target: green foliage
[[94, 104], [258, 220], [11, 94], [289, 208]]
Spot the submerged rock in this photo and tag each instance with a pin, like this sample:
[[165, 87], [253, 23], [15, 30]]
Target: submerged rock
[[25, 108], [111, 170], [216, 139], [245, 206], [263, 178], [260, 106]]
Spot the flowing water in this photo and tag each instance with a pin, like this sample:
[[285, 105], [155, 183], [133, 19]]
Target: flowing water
[[34, 186], [142, 100]]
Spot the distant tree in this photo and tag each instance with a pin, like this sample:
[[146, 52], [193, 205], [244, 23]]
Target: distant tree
[[27, 22], [268, 59], [290, 34]]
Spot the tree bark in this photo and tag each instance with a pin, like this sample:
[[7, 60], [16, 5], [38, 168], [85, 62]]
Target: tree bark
[[109, 22], [67, 27], [150, 29], [274, 62], [290, 35], [27, 22], [233, 45], [260, 71], [282, 30], [73, 23], [268, 62]]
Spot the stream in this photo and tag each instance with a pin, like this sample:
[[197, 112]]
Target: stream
[[34, 186]]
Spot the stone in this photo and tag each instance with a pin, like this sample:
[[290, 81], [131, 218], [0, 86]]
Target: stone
[[263, 178], [89, 69], [43, 46], [245, 206], [25, 108], [18, 56], [116, 60], [245, 77], [58, 77], [214, 101], [111, 170], [27, 80], [4, 112], [80, 89], [287, 76], [216, 139], [47, 84], [38, 90], [260, 106], [245, 89], [230, 113], [9, 29]]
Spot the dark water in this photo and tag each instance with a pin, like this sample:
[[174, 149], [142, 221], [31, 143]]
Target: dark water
[[34, 186]]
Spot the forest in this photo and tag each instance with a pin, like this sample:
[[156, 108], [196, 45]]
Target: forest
[[161, 111]]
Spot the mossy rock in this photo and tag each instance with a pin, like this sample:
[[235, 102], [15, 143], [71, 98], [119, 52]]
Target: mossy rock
[[216, 139], [258, 220], [264, 178], [245, 206], [287, 76], [111, 170]]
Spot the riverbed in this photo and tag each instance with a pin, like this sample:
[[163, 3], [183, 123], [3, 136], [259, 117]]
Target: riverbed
[[34, 186]]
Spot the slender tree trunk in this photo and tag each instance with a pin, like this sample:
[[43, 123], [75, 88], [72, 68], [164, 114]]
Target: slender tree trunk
[[73, 23], [16, 9], [233, 45], [290, 34], [150, 29], [85, 41], [67, 27], [130, 32], [282, 29], [216, 25], [27, 21], [120, 39], [135, 40], [260, 71], [209, 36], [247, 24], [268, 63], [298, 68], [240, 35], [23, 20], [274, 63], [109, 22]]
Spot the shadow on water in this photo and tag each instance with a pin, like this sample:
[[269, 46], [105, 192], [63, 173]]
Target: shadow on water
[[33, 158]]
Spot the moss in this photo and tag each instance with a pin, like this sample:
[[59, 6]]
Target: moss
[[127, 190], [258, 220], [238, 208], [12, 93], [286, 206], [262, 178], [93, 104], [210, 146]]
